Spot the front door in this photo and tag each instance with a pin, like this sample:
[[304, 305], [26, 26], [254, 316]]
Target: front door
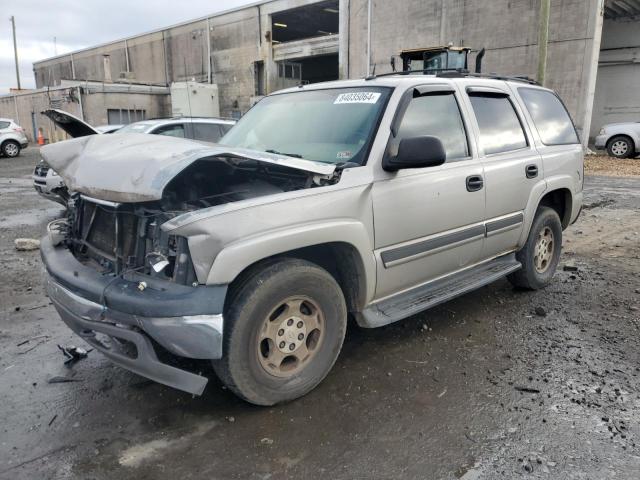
[[429, 221]]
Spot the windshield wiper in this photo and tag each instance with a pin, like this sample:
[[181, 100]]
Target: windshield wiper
[[275, 152]]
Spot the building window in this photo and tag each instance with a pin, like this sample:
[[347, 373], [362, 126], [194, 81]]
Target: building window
[[259, 78], [290, 70], [120, 116]]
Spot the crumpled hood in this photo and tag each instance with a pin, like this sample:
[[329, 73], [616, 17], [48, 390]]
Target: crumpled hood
[[134, 167]]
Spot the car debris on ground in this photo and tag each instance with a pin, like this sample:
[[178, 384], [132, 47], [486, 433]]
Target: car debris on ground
[[26, 244]]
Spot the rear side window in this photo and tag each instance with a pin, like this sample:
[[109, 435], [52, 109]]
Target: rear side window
[[207, 132], [500, 128], [4, 125], [549, 116], [176, 130], [436, 115]]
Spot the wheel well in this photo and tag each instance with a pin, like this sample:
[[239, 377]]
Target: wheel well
[[633, 144], [340, 259], [9, 140], [560, 200]]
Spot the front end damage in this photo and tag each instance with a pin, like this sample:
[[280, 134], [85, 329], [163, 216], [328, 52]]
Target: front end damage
[[123, 282]]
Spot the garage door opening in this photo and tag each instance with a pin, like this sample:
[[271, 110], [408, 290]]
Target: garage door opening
[[315, 20], [308, 70], [319, 69]]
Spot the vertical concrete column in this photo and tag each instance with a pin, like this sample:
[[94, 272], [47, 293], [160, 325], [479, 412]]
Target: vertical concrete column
[[543, 39], [592, 54], [343, 40]]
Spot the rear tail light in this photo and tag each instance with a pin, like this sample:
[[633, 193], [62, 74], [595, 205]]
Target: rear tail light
[[18, 129]]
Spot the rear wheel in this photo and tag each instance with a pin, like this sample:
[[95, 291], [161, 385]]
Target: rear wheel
[[10, 149], [620, 147], [540, 255], [284, 328]]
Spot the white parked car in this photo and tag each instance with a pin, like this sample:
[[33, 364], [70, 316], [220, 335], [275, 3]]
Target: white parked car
[[620, 140], [51, 186], [12, 138]]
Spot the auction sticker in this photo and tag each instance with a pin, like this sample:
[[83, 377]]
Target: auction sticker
[[357, 97]]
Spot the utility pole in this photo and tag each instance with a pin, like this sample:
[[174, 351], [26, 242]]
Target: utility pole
[[15, 49], [543, 39]]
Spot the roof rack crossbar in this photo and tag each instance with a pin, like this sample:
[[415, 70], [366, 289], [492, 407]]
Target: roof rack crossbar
[[459, 73]]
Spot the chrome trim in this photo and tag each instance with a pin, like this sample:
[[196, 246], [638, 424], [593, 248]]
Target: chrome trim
[[105, 203]]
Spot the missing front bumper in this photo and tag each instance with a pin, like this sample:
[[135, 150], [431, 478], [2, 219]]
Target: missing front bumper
[[195, 337]]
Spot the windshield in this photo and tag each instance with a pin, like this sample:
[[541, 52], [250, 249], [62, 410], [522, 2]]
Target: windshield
[[138, 127], [330, 126]]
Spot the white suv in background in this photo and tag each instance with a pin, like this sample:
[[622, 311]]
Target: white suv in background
[[12, 138]]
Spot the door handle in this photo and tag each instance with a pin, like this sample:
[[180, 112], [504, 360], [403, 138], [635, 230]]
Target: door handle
[[531, 171], [474, 183]]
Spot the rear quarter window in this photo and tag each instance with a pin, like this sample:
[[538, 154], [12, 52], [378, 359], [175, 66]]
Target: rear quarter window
[[4, 125], [551, 119]]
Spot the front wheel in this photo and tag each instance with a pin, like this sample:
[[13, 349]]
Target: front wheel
[[540, 255], [284, 328], [11, 149]]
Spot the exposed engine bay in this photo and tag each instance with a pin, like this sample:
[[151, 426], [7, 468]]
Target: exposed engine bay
[[117, 238]]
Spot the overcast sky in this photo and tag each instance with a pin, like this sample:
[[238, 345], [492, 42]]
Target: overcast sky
[[84, 23]]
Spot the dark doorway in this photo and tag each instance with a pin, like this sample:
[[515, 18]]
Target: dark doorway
[[309, 21]]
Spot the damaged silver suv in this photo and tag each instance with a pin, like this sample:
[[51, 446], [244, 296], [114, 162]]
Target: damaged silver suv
[[372, 199]]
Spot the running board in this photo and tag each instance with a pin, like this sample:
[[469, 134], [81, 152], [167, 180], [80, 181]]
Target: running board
[[438, 291]]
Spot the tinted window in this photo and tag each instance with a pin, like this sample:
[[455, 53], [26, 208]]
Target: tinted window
[[4, 125], [170, 130], [207, 132], [438, 116], [500, 129], [550, 117]]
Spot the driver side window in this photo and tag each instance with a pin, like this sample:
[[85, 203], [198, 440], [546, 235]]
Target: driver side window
[[437, 115]]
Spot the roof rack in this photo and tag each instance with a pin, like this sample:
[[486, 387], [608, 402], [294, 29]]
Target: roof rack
[[495, 76], [459, 73]]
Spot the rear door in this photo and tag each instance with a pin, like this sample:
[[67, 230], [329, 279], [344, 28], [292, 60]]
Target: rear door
[[556, 137], [512, 165]]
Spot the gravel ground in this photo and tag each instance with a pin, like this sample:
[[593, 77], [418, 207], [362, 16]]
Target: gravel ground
[[611, 166], [497, 384]]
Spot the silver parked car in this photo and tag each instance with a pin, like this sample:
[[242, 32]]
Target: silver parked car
[[12, 138], [374, 198], [620, 140]]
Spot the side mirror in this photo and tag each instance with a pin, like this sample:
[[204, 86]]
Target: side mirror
[[416, 152]]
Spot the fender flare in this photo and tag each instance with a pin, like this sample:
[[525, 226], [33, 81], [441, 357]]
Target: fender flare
[[537, 193], [239, 255]]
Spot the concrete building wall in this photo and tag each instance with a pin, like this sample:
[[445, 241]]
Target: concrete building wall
[[507, 29], [617, 96], [88, 102], [235, 40]]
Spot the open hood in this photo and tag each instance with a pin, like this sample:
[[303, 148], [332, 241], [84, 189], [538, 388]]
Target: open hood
[[72, 125], [134, 167]]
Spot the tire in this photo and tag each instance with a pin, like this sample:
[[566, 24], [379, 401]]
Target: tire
[[10, 149], [256, 307], [620, 146], [535, 272]]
